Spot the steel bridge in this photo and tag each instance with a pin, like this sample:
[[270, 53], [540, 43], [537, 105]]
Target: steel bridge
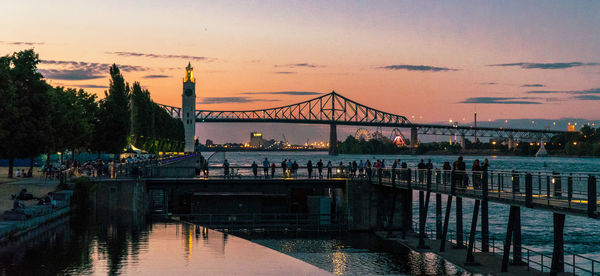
[[334, 109]]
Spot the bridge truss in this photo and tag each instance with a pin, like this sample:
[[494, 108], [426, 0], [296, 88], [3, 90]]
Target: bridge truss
[[335, 109]]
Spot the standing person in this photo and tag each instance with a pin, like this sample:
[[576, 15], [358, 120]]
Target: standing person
[[283, 168], [484, 169], [459, 169], [421, 168], [349, 170], [266, 168], [476, 174], [273, 170], [309, 168], [226, 168], [378, 169], [254, 169], [320, 168], [205, 168], [354, 168], [198, 167], [429, 167], [446, 168], [394, 167], [290, 168], [361, 168], [486, 165], [329, 174], [295, 168], [368, 169]]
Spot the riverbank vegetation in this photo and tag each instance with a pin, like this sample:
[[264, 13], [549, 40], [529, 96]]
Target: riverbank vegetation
[[585, 142], [37, 118]]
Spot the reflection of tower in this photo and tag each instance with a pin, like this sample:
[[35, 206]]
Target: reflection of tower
[[188, 108]]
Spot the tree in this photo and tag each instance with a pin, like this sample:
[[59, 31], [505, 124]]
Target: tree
[[72, 117], [7, 107], [26, 107], [113, 124]]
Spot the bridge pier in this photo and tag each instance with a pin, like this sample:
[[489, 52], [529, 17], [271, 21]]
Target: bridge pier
[[333, 145], [414, 140], [511, 143], [463, 142]]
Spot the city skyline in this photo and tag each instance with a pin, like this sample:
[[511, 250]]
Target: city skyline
[[433, 61]]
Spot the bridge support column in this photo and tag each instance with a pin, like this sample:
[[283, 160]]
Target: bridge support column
[[511, 143], [558, 253], [463, 142], [414, 140], [333, 145]]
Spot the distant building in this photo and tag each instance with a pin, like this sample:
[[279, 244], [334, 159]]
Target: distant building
[[256, 140]]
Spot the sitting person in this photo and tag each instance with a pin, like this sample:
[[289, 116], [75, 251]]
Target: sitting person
[[23, 195], [17, 204]]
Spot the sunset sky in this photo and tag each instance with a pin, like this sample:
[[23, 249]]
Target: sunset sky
[[433, 60]]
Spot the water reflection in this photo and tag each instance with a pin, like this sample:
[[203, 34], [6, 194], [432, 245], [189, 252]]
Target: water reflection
[[356, 254], [102, 242]]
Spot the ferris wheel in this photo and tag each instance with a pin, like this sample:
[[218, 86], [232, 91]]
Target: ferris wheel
[[362, 135]]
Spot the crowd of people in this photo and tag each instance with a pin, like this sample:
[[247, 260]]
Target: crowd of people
[[127, 166], [362, 168]]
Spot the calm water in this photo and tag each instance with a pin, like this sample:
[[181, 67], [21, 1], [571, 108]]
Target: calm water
[[358, 254], [129, 245], [102, 242]]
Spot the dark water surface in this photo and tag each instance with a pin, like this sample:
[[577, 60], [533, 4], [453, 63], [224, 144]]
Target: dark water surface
[[105, 243], [357, 254]]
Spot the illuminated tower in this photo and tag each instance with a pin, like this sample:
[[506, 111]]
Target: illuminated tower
[[188, 108]]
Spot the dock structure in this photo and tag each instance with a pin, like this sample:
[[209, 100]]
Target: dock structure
[[383, 201]]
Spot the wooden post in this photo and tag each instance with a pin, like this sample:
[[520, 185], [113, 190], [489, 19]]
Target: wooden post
[[470, 257], [421, 219], [438, 216], [592, 197], [558, 253], [423, 222], [528, 190], [446, 221], [517, 251], [459, 223], [485, 228], [507, 242]]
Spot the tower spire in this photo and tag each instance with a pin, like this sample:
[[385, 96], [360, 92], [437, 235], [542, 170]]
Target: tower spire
[[189, 73]]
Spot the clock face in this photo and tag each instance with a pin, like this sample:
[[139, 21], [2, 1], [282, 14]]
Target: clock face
[[188, 92]]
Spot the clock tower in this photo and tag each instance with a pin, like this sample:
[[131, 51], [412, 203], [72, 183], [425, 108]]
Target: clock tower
[[188, 108]]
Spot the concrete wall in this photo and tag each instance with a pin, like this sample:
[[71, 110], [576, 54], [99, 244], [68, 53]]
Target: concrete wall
[[124, 195], [369, 207]]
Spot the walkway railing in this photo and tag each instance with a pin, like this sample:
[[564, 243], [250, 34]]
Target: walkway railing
[[574, 192]]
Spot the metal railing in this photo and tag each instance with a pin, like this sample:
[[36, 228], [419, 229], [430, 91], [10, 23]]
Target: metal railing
[[292, 222], [566, 191]]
